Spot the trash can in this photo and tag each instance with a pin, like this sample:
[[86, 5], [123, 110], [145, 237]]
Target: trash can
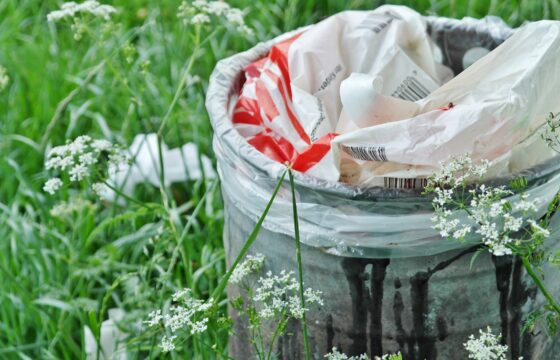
[[390, 282]]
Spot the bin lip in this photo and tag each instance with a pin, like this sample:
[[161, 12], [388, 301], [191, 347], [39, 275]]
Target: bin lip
[[228, 74]]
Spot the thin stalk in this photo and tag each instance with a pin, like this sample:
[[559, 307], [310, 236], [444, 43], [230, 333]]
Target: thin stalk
[[548, 296], [182, 82], [252, 237], [300, 267], [275, 335], [129, 198]]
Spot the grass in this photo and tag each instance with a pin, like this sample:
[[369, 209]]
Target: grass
[[59, 274]]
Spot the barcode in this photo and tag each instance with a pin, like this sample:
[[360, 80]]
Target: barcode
[[401, 183], [375, 153], [411, 89]]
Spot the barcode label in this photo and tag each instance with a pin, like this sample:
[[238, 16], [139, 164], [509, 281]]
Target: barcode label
[[370, 153], [401, 183], [411, 89]]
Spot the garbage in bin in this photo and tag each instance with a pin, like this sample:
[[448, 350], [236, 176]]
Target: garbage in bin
[[393, 283], [366, 98]]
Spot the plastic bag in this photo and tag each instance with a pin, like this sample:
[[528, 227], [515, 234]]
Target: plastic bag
[[290, 107], [369, 222]]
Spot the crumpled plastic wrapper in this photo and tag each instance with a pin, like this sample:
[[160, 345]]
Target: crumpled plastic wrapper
[[180, 164], [370, 98], [112, 339]]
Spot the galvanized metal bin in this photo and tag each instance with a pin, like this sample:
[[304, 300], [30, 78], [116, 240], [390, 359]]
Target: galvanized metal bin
[[390, 282]]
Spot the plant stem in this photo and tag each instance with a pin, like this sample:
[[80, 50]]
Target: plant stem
[[548, 296], [300, 267], [275, 335], [252, 237], [182, 82]]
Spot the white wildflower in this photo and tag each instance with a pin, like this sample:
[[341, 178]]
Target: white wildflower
[[117, 159], [186, 313], [4, 78], [443, 197], [481, 169], [336, 355], [526, 205], [497, 208], [512, 223], [489, 231], [77, 158], [489, 209], [279, 294], [68, 208], [200, 19], [88, 159], [252, 263], [462, 232], [167, 343], [101, 145], [486, 347], [202, 12], [539, 230], [52, 185], [154, 318], [445, 226], [313, 296], [91, 7], [217, 8], [101, 189], [78, 172], [498, 248]]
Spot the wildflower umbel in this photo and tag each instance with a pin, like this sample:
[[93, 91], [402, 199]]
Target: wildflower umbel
[[490, 212], [52, 185], [278, 294], [337, 355], [201, 12], [78, 159], [252, 263], [486, 347], [72, 9], [186, 313]]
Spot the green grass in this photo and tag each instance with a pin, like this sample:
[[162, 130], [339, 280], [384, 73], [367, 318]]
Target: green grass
[[59, 274]]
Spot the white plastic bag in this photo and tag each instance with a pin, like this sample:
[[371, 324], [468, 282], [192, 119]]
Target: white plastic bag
[[497, 102], [362, 97], [289, 106]]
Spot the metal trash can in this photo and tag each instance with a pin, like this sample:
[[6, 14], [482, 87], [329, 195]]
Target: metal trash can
[[390, 282]]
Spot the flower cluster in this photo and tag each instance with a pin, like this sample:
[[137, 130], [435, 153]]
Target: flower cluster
[[488, 211], [4, 78], [78, 158], [457, 172], [81, 14], [486, 347], [336, 355], [70, 207], [253, 263], [72, 9], [186, 312], [278, 294], [201, 12]]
